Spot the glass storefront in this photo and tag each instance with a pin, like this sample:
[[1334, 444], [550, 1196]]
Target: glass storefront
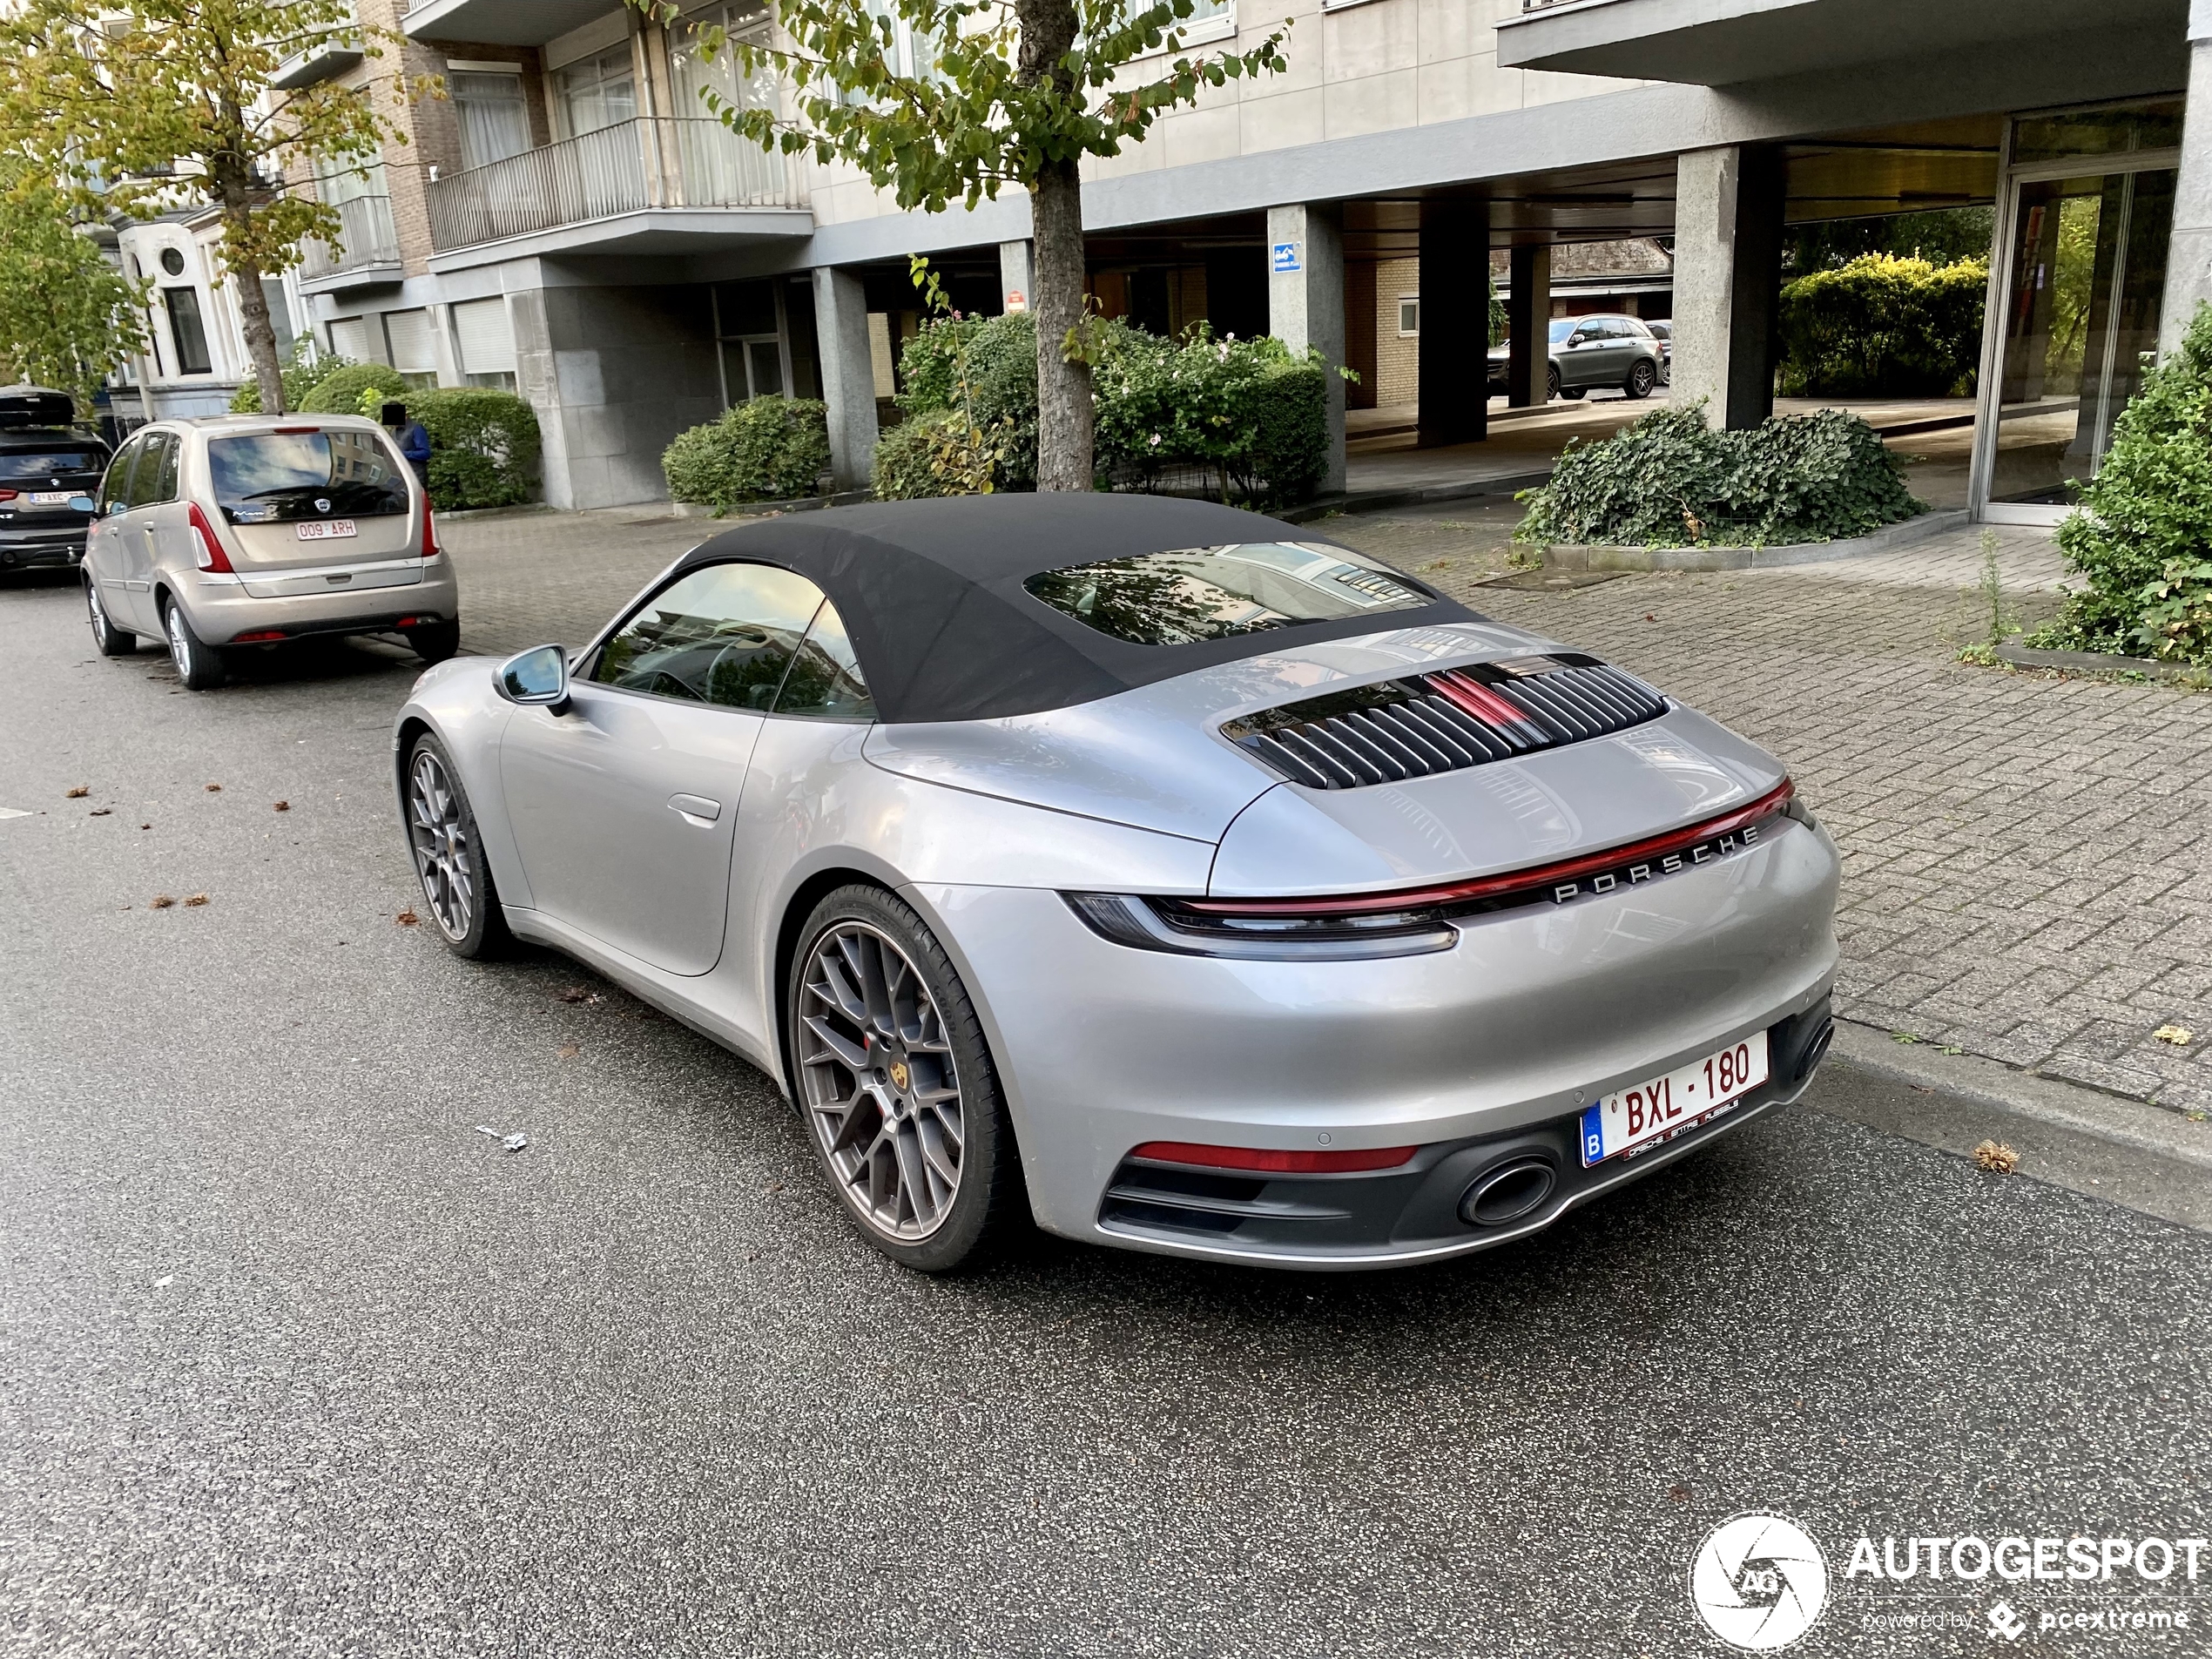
[[2089, 200]]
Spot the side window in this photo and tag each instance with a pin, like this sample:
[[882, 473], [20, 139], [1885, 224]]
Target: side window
[[115, 483], [157, 459], [164, 483], [725, 634], [824, 680]]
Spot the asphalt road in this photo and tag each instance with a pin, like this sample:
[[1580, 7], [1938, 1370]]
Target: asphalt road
[[293, 1361]]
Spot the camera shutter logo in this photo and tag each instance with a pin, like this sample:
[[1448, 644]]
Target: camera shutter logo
[[1758, 1581]]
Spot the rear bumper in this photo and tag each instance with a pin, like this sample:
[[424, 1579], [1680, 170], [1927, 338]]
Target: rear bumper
[[1482, 1052], [221, 610], [27, 547]]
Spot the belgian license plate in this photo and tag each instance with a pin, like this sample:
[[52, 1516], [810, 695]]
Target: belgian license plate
[[1649, 1113], [51, 497], [323, 529]]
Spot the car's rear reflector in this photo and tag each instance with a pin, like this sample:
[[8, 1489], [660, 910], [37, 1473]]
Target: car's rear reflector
[[258, 637], [1270, 1161]]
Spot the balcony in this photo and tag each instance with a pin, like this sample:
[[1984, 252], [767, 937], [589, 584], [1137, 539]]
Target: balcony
[[368, 250], [655, 184], [502, 22], [1718, 42]]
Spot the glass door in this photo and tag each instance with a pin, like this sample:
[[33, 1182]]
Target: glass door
[[2074, 319]]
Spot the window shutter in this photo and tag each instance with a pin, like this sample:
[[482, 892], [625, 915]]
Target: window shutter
[[349, 338], [486, 337], [408, 332]]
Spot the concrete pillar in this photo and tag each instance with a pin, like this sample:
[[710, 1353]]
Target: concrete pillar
[[848, 374], [1728, 273], [1455, 323], [2188, 257], [1305, 304], [1528, 315], [1014, 280]]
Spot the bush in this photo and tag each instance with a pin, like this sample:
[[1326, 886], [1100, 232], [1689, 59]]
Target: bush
[[1671, 481], [769, 449], [1002, 369], [2142, 534], [1883, 326], [301, 371], [484, 445], [340, 393]]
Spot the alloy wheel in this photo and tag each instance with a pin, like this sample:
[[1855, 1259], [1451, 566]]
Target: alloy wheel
[[882, 1088], [438, 829], [179, 642], [100, 630]]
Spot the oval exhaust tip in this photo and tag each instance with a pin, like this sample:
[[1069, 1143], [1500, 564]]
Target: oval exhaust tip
[[1508, 1192]]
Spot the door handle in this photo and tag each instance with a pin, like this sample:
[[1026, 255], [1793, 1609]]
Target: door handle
[[696, 809]]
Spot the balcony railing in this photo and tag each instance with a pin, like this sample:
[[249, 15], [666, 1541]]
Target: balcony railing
[[663, 161], [368, 239]]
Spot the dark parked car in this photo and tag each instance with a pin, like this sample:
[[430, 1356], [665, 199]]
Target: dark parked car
[[1604, 350], [49, 469]]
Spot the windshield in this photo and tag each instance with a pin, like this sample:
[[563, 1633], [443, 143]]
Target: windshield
[[1214, 592], [48, 463], [275, 477]]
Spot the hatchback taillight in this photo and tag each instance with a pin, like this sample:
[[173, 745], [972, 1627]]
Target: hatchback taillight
[[207, 548], [7, 495], [430, 548]]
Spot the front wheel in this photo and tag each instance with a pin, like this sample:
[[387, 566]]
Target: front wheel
[[449, 855], [897, 1085], [1551, 383], [1642, 377], [112, 640], [199, 665], [435, 642]]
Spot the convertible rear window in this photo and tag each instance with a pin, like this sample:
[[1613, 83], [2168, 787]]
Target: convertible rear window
[[46, 463], [275, 477], [1214, 592]]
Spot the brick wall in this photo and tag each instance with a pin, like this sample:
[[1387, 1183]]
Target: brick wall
[[1397, 357]]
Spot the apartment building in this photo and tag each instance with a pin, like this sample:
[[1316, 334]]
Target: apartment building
[[570, 223]]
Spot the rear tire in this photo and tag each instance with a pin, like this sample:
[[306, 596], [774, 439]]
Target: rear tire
[[1551, 383], [436, 642], [891, 1071], [199, 665], [1642, 377], [448, 854], [112, 640]]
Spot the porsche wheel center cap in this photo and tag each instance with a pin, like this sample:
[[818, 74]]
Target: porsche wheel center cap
[[901, 1076]]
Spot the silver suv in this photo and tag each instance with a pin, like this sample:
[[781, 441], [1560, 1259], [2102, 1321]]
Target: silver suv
[[1610, 349], [252, 530]]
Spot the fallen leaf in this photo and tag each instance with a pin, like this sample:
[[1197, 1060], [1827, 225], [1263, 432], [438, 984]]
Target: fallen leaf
[[100, 812], [1902, 1036], [214, 789], [283, 807], [406, 919], [1649, 617], [197, 900], [1679, 1493], [160, 901], [1997, 1158], [2179, 1035], [577, 994], [79, 792], [145, 826], [567, 1051]]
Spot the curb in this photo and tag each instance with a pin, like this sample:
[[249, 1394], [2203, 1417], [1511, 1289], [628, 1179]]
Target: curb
[[1919, 528], [1375, 501], [2125, 1151], [2096, 662]]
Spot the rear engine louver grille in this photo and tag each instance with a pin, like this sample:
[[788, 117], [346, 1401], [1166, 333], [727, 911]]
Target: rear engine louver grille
[[1446, 721]]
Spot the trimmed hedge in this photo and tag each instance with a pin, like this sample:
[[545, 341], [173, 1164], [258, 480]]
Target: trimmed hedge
[[484, 445], [1883, 326], [2142, 534], [301, 373], [1246, 415], [768, 448], [1671, 481], [340, 393]]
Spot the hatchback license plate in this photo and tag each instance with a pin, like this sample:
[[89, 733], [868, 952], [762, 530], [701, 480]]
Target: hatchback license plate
[[51, 497], [321, 529], [1658, 1110]]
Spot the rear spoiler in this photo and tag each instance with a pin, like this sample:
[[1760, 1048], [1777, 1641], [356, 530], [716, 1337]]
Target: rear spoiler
[[35, 406]]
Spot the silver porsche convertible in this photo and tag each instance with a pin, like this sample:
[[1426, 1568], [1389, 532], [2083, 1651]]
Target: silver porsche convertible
[[1167, 875]]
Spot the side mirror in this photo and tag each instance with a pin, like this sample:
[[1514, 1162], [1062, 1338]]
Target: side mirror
[[536, 679], [83, 504], [116, 509]]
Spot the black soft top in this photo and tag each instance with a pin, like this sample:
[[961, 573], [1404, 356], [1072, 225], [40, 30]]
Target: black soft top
[[932, 595]]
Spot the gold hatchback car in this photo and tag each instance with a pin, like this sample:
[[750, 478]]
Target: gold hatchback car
[[217, 533]]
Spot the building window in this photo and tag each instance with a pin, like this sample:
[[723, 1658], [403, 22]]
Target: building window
[[1409, 314], [280, 314], [751, 337], [494, 117], [486, 337], [349, 338], [414, 353], [187, 333], [599, 92], [172, 260]]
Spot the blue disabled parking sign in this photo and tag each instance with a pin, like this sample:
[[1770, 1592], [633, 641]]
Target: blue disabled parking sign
[[1286, 260]]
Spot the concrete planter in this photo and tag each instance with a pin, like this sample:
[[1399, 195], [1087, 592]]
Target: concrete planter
[[1887, 539], [2096, 662]]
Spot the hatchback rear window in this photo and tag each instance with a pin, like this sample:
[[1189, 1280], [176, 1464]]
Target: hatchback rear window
[[1215, 592], [275, 477], [24, 468]]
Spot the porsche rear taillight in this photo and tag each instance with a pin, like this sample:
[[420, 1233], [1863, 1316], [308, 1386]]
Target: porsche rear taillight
[[208, 547], [1270, 1160]]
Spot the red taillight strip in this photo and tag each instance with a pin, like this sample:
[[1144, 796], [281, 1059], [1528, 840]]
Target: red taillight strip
[[1491, 886], [1267, 1161], [1473, 696]]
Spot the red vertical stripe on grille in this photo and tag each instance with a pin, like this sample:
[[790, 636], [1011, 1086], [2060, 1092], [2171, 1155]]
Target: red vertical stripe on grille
[[1473, 696]]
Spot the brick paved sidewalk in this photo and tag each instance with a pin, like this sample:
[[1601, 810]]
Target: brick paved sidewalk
[[2025, 873]]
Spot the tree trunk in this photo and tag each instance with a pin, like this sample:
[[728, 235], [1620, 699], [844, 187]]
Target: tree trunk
[[260, 333], [1064, 415]]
